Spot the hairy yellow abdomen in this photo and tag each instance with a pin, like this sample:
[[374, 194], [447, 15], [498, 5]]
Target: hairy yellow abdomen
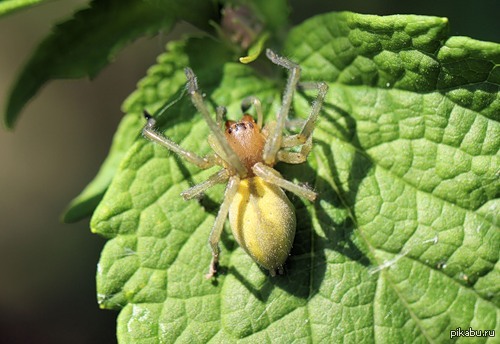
[[263, 222]]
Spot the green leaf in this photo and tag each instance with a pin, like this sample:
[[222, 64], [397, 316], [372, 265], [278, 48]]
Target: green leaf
[[402, 244], [255, 50], [9, 6], [274, 14], [161, 83], [83, 45], [85, 203]]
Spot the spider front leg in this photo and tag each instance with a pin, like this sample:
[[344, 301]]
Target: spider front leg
[[309, 124], [151, 134], [274, 141], [295, 157], [304, 138], [231, 189], [227, 154]]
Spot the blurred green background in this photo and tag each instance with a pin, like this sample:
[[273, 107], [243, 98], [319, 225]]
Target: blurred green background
[[47, 283]]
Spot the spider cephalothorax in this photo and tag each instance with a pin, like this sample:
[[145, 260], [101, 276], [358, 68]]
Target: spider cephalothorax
[[247, 141], [261, 216]]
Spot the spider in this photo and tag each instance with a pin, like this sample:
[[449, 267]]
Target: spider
[[262, 218]]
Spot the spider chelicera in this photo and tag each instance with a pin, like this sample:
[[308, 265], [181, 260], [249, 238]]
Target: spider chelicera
[[262, 218]]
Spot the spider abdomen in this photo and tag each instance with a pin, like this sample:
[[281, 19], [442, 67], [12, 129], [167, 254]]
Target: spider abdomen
[[263, 222]]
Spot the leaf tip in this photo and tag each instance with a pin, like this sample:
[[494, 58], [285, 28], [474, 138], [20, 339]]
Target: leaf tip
[[255, 50], [10, 116]]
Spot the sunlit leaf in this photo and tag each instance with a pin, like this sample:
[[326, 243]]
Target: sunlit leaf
[[402, 244]]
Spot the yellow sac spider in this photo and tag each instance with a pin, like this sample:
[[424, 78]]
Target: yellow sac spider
[[261, 216]]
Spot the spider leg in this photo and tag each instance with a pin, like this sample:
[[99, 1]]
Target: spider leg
[[151, 134], [272, 176], [216, 178], [304, 138], [308, 127], [231, 189], [296, 157], [220, 113], [273, 143], [249, 101], [294, 124], [308, 124], [228, 155]]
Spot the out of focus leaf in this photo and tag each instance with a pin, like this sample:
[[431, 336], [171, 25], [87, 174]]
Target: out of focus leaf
[[83, 45], [9, 6]]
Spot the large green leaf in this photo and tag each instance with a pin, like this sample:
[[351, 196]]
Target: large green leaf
[[403, 242], [83, 45]]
